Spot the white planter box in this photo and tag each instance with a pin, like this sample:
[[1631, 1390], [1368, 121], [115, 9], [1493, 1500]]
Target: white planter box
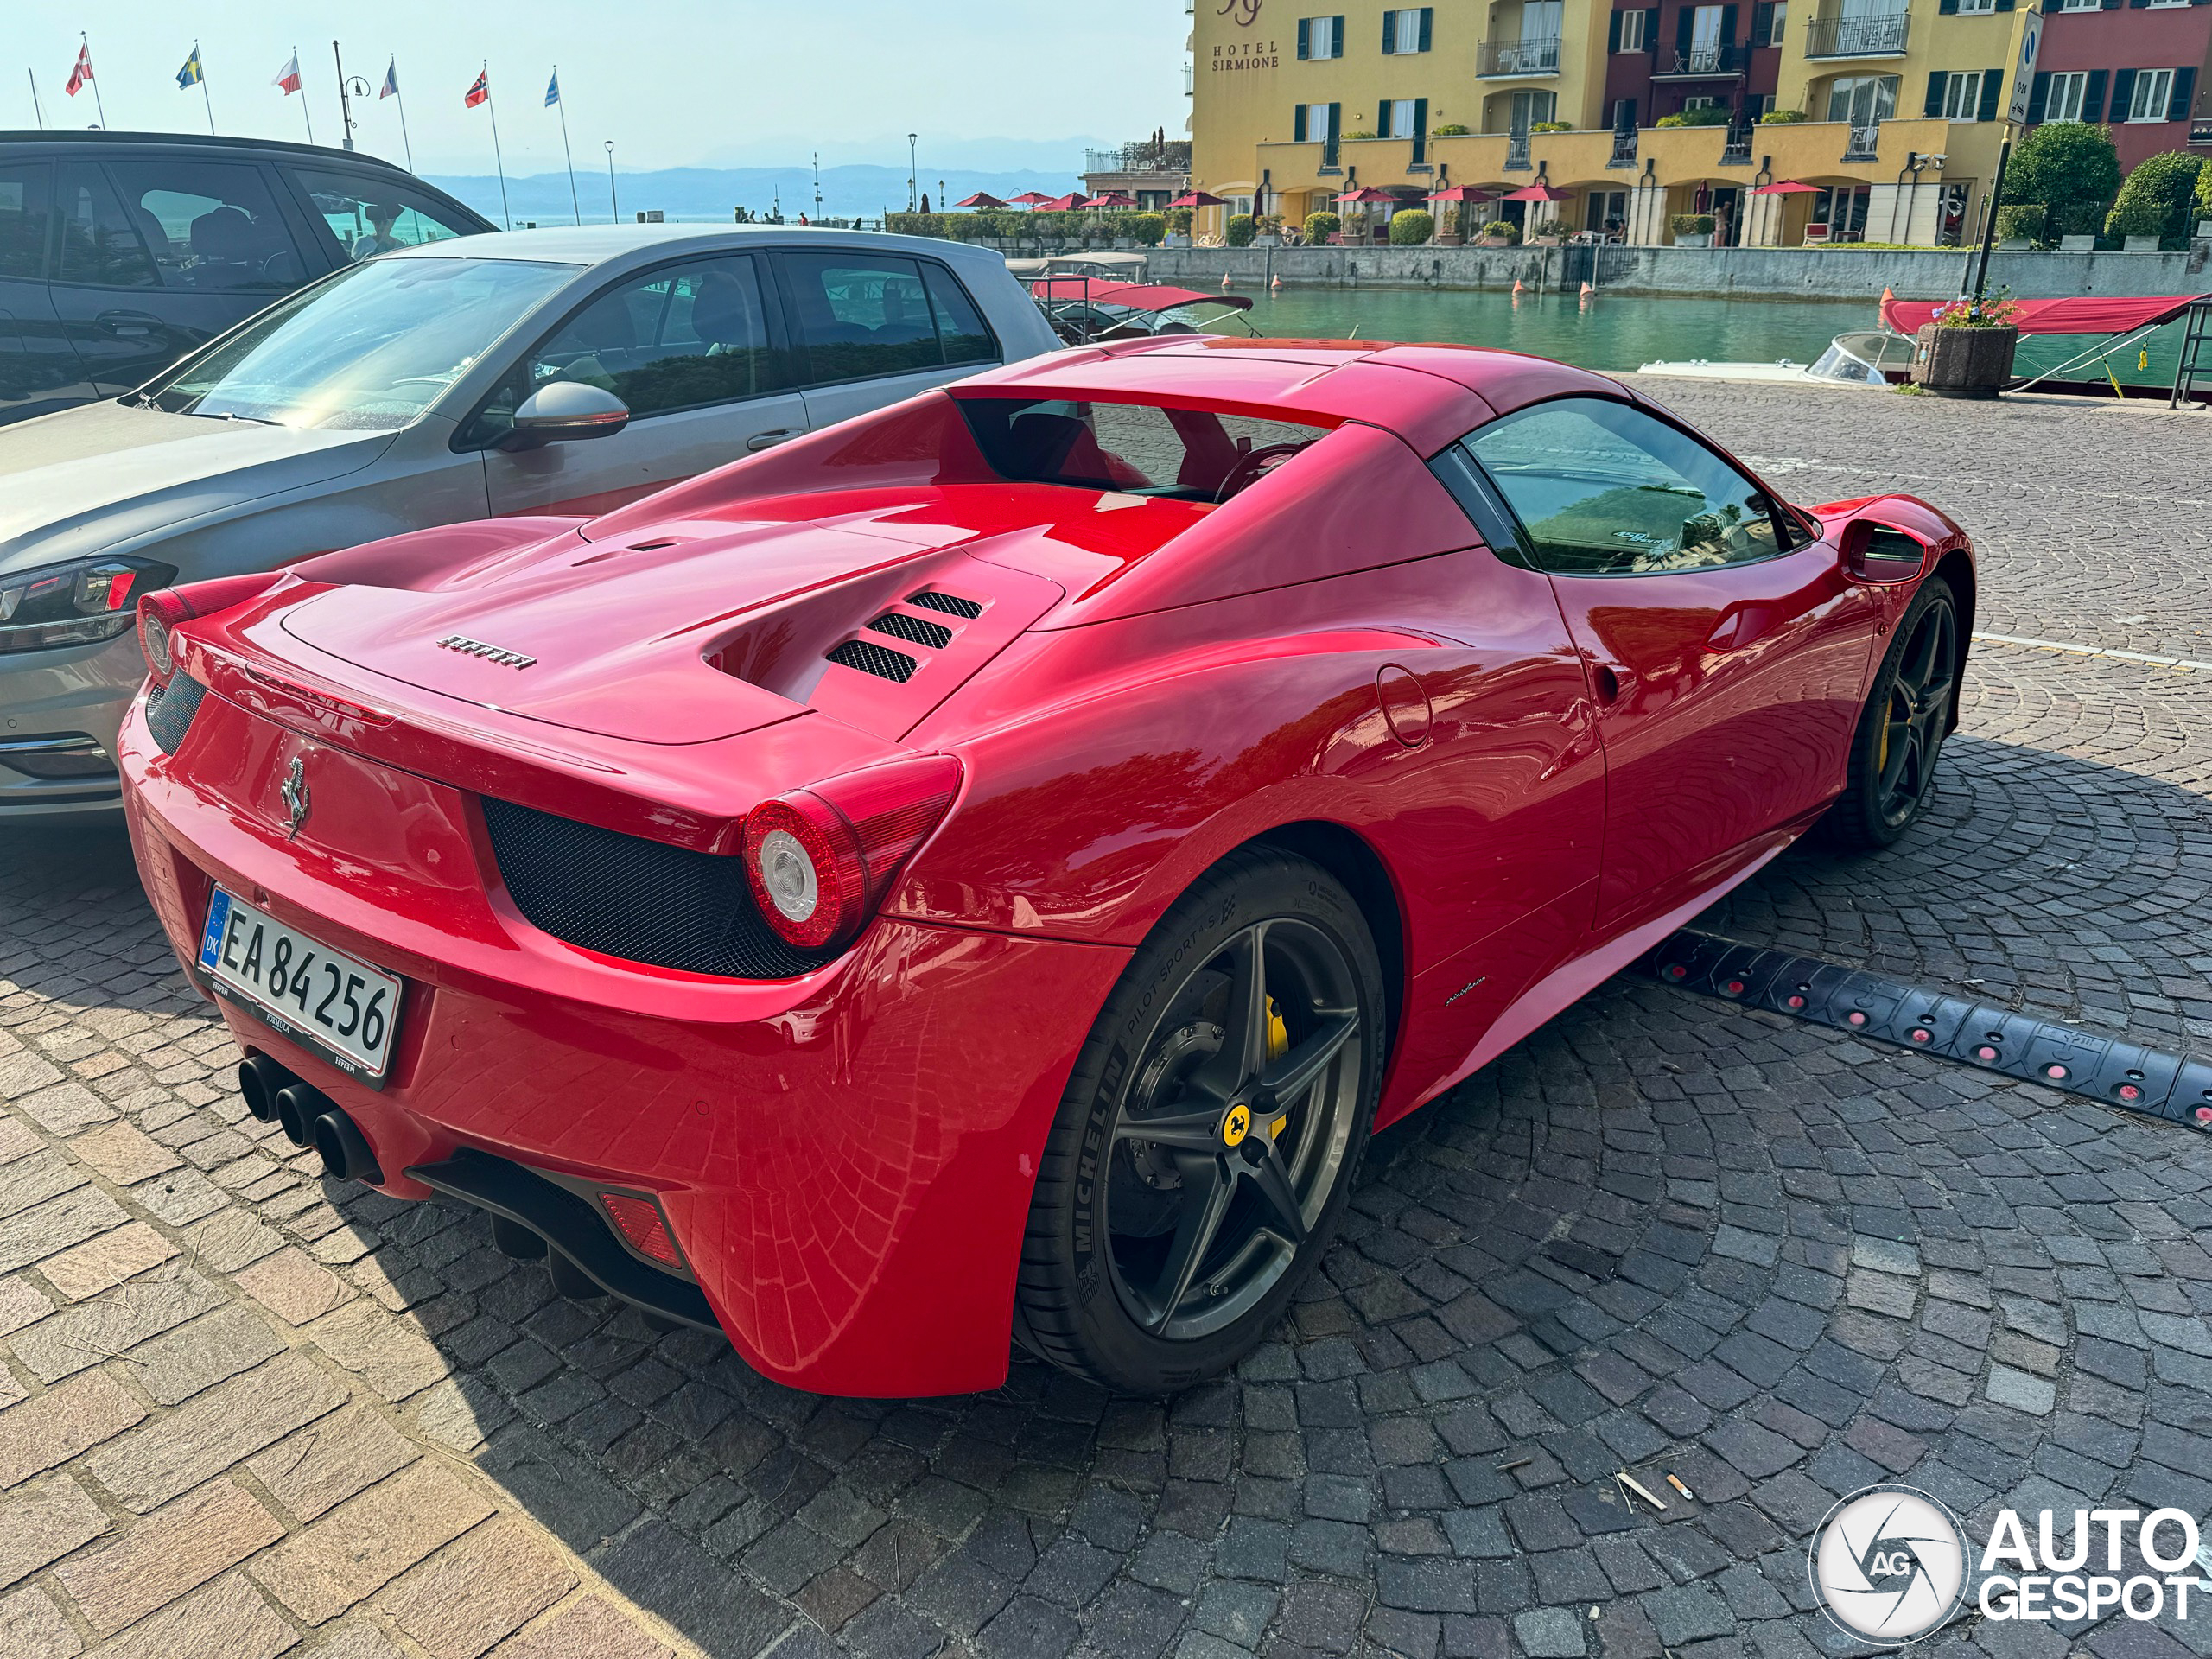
[[2142, 244], [1697, 239], [2077, 244]]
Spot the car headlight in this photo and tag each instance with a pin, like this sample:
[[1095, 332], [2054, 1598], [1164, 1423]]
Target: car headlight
[[75, 604]]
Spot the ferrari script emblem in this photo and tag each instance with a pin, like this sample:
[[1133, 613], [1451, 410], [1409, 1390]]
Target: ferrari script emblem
[[295, 794], [1236, 1125], [499, 654]]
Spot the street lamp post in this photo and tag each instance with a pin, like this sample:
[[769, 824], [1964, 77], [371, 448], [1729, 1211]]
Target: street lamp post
[[614, 207], [913, 169]]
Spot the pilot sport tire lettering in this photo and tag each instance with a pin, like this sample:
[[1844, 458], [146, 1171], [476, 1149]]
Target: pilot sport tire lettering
[[1209, 1133], [1897, 750]]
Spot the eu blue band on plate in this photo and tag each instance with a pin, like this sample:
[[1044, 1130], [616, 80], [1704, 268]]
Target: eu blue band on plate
[[211, 942]]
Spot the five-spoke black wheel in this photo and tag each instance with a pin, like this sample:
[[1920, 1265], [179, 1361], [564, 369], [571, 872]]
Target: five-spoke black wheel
[[1901, 732], [1210, 1132]]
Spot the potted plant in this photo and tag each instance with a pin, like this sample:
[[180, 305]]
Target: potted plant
[[1411, 226], [1967, 351], [1241, 230], [1322, 227], [1552, 126], [1178, 226], [1500, 234], [1267, 229], [1692, 230], [1781, 118], [1449, 129]]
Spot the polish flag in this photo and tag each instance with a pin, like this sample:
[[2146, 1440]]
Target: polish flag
[[81, 73], [479, 91], [289, 76]]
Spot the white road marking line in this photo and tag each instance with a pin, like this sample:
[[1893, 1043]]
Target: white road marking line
[[2095, 651]]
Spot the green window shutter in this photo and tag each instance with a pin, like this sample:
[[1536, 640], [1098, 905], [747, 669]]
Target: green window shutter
[[2038, 96], [1947, 7], [1428, 26], [1613, 34], [1336, 123], [2123, 92], [1935, 79], [1651, 31], [1305, 38], [1390, 34], [1421, 113], [2177, 106], [2003, 5], [1762, 22], [1993, 88], [1685, 26], [1728, 17], [1298, 123], [1336, 36], [2093, 96]]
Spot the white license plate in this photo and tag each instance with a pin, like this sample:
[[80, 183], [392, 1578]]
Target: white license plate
[[301, 986]]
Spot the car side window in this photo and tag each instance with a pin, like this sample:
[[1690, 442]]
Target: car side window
[[369, 216], [1603, 489], [679, 337], [23, 217], [862, 316], [211, 226], [101, 246], [960, 327]]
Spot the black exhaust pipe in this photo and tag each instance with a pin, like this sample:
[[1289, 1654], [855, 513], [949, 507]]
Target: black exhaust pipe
[[259, 1080], [345, 1149], [298, 1105]]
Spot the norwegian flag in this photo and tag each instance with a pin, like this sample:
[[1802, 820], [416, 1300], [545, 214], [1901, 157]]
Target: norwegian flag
[[479, 90], [81, 73], [289, 76]]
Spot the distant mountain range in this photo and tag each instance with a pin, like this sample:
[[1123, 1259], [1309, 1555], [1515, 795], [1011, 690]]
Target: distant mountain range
[[701, 193]]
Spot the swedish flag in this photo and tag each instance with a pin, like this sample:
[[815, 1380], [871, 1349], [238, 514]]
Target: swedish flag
[[191, 74]]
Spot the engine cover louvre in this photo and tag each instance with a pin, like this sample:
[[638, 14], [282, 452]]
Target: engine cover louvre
[[638, 900], [918, 629], [948, 604], [170, 709], [871, 658]]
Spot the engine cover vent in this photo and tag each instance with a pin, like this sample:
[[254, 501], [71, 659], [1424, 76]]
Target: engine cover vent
[[919, 630], [871, 658], [950, 604]]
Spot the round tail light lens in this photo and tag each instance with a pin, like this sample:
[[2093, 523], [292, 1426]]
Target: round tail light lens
[[819, 861]]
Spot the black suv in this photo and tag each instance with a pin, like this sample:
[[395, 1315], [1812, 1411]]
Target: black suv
[[121, 252]]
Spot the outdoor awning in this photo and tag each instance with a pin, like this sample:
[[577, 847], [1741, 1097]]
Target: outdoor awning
[[2076, 314], [1134, 296], [1785, 188]]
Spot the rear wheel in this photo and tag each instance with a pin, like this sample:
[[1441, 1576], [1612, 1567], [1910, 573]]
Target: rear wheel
[[1901, 731], [1209, 1133]]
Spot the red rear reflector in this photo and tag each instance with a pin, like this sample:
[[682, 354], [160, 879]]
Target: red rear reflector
[[639, 1221]]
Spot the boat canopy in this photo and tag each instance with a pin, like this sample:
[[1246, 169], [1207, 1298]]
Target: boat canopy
[[1134, 296], [2078, 313]]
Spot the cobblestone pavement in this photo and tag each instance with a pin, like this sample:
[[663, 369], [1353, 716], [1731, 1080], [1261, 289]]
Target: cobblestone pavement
[[243, 1412]]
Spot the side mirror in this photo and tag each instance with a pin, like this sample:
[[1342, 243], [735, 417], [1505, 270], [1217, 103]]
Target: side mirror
[[1873, 551], [563, 412]]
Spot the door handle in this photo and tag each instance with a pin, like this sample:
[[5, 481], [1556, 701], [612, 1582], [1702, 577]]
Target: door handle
[[128, 325], [760, 441]]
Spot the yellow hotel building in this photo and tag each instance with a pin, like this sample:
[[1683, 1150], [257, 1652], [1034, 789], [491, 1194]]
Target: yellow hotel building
[[1901, 100]]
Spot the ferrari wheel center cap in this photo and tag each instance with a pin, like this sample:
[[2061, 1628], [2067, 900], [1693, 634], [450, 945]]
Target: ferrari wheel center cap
[[1236, 1125]]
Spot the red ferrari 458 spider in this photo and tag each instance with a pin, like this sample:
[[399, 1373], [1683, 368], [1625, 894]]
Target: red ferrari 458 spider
[[982, 871]]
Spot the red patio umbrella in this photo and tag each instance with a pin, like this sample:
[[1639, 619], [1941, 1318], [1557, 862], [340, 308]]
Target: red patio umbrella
[[1461, 193], [981, 199], [1535, 193], [1029, 199], [1785, 188], [1111, 198], [1197, 199], [1066, 204], [1367, 193]]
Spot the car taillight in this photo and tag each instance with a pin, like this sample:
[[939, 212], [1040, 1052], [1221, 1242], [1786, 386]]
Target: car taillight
[[821, 860], [160, 610]]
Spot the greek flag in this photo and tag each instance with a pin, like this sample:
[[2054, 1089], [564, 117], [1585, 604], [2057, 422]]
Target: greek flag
[[553, 89], [191, 74]]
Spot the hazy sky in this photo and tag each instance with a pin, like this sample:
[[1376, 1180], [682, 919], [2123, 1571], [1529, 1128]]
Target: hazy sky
[[986, 83]]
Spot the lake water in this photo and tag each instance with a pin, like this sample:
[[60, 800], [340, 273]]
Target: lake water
[[1624, 331]]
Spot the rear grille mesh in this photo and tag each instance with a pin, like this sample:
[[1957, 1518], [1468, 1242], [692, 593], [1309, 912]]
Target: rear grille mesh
[[950, 604], [871, 658], [642, 900], [919, 630], [170, 709]]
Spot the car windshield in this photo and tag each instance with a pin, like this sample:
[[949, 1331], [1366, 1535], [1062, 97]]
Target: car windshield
[[1191, 455], [368, 351]]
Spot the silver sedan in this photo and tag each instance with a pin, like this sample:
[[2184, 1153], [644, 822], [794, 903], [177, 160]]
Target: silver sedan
[[439, 383]]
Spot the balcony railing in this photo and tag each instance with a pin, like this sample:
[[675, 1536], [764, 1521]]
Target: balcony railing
[[1624, 149], [1864, 144], [1881, 36], [1141, 157], [1522, 57], [1517, 153], [1736, 151], [1700, 63]]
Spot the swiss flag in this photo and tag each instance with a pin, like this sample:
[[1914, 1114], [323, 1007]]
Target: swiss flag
[[81, 73], [479, 91], [289, 76]]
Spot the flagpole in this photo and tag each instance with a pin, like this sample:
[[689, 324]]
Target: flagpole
[[562, 105], [506, 214], [98, 102], [304, 111], [204, 97], [37, 109], [393, 71]]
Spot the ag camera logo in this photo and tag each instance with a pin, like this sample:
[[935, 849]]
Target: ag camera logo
[[1889, 1565]]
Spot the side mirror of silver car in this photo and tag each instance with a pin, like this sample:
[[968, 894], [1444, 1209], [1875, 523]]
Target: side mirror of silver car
[[565, 411]]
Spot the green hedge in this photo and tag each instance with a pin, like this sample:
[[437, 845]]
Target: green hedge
[[1242, 229], [2071, 170], [2020, 221], [2158, 199], [1011, 224], [1411, 226], [1320, 226]]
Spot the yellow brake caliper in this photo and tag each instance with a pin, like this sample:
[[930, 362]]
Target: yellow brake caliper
[[1278, 1046]]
